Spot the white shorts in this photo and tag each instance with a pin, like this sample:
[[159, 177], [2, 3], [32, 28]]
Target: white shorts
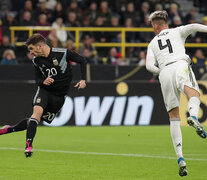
[[173, 78]]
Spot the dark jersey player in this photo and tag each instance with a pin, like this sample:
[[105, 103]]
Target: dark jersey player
[[53, 77]]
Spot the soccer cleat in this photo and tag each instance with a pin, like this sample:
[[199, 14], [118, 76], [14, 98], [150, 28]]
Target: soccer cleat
[[193, 121], [4, 129], [28, 151], [182, 167]]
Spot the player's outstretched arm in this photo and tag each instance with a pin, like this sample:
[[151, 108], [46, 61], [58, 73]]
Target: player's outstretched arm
[[75, 57], [192, 28], [81, 84]]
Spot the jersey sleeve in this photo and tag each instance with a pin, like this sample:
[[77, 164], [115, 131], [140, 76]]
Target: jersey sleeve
[[186, 30], [75, 57], [38, 76], [151, 63]]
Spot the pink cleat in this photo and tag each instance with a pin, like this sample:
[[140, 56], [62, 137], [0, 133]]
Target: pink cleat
[[28, 151], [4, 129]]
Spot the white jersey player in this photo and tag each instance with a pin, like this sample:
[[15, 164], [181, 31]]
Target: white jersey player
[[166, 56]]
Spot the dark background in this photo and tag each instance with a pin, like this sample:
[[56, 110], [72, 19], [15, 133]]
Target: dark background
[[16, 99]]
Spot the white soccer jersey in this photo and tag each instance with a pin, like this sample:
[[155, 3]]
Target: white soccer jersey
[[168, 46]]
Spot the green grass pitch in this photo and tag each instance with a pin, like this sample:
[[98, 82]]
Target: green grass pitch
[[97, 153]]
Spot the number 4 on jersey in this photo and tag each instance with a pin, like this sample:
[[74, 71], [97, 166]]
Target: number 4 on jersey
[[166, 45]]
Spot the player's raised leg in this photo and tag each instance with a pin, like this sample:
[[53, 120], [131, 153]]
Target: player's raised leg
[[22, 125], [31, 129], [193, 109], [176, 136]]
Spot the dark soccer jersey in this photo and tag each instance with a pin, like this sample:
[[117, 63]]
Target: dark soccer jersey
[[57, 66]]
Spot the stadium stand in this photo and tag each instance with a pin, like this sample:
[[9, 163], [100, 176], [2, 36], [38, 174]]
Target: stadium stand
[[94, 13]]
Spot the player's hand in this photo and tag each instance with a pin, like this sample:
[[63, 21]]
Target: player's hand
[[48, 81], [81, 84]]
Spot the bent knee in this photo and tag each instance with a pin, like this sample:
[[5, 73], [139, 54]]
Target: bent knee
[[37, 112], [174, 113], [190, 92]]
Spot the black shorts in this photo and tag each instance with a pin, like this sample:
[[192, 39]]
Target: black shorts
[[49, 102]]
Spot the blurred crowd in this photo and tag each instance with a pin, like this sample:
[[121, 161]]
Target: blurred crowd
[[93, 13]]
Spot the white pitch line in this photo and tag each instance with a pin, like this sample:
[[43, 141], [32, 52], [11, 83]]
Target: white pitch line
[[195, 155], [102, 154]]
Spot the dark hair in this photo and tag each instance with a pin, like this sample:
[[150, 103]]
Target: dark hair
[[34, 39]]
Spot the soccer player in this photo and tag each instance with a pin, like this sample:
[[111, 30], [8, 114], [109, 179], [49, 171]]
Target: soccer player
[[53, 77], [166, 56]]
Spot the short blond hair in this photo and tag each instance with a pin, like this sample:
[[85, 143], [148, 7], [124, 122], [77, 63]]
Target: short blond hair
[[9, 51], [159, 16]]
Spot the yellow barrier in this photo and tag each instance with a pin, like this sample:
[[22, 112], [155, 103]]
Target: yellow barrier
[[77, 30]]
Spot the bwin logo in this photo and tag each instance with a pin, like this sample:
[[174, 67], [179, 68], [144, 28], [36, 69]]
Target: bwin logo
[[120, 110]]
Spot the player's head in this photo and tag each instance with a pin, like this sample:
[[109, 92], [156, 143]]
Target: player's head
[[159, 20], [35, 44]]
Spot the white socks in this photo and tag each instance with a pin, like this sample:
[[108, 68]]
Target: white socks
[[193, 106], [176, 136], [175, 130]]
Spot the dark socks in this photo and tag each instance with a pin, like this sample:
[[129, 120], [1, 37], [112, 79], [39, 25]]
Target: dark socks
[[22, 125], [28, 123], [31, 130]]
